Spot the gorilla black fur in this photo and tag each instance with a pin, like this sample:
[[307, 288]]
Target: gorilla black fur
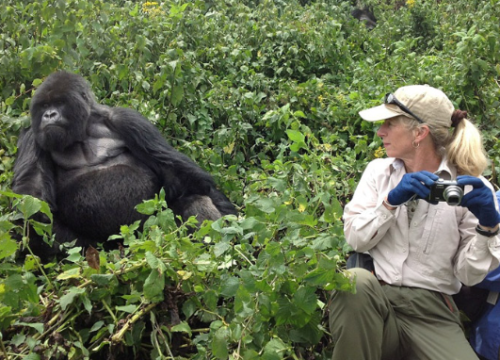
[[93, 164]]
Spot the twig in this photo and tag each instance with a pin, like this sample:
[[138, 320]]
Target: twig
[[118, 337], [110, 311], [242, 255], [4, 350], [39, 265], [165, 341]]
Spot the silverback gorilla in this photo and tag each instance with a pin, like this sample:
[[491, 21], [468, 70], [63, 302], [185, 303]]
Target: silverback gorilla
[[93, 164]]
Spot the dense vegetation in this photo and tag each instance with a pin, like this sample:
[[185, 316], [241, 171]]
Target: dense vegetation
[[264, 95]]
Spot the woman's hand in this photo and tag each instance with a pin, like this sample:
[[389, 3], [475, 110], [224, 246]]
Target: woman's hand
[[418, 183], [480, 201]]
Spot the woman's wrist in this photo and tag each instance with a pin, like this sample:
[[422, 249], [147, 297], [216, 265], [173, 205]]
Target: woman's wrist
[[487, 231], [387, 205]]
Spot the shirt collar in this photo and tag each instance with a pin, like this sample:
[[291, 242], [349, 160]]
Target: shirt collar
[[445, 171]]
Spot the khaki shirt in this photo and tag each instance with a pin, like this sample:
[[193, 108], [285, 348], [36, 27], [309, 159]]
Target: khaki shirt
[[437, 250]]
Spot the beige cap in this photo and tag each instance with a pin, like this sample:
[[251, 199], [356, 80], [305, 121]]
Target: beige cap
[[431, 105]]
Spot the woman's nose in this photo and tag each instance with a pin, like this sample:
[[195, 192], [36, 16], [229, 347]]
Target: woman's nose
[[381, 132]]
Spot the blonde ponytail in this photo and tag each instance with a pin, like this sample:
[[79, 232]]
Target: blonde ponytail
[[465, 149]]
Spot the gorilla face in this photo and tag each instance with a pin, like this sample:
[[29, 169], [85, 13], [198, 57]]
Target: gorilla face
[[59, 111]]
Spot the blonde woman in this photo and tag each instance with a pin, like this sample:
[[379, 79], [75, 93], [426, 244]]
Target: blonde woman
[[423, 247]]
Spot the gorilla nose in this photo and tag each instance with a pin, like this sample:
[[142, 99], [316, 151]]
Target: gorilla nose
[[50, 116]]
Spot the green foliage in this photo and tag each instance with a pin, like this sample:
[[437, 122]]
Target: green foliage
[[264, 95], [220, 289]]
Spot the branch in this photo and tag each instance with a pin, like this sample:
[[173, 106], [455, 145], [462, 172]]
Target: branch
[[118, 337]]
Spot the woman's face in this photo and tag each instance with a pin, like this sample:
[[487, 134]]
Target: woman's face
[[397, 138]]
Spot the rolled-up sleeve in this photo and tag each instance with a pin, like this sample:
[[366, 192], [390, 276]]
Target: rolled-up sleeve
[[478, 254], [366, 219]]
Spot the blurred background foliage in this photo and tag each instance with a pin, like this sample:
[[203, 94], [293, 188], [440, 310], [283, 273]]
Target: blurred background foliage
[[262, 94]]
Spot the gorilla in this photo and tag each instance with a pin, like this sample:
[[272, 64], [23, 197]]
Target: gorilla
[[93, 164], [366, 15]]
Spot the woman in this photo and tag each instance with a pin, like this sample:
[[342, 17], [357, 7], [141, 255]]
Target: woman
[[422, 249]]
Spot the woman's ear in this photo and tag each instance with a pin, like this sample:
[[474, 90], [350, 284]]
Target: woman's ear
[[421, 133]]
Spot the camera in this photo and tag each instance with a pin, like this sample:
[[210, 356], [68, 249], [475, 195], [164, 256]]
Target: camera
[[446, 190]]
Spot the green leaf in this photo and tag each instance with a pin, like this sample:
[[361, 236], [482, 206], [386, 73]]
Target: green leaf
[[265, 205], [177, 95], [97, 325], [73, 273], [154, 285], [173, 64], [298, 140], [305, 299], [299, 114], [148, 207], [37, 326], [230, 287], [102, 280], [152, 260], [10, 100], [182, 327], [135, 11], [128, 308], [319, 276], [295, 136], [8, 246], [87, 304], [29, 206], [70, 296], [275, 347], [32, 356], [311, 333], [221, 247], [36, 82], [219, 343]]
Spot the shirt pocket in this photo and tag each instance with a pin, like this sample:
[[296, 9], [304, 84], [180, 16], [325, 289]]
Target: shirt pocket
[[439, 241], [432, 227]]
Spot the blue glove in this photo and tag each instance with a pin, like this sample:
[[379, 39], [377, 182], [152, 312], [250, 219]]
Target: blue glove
[[480, 201], [418, 183]]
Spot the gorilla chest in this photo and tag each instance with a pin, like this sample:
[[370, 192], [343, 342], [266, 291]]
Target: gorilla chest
[[90, 154], [101, 166], [97, 203], [98, 184]]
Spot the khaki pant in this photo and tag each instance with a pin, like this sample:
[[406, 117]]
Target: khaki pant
[[393, 323]]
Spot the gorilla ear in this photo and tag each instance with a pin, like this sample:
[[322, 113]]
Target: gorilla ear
[[84, 96]]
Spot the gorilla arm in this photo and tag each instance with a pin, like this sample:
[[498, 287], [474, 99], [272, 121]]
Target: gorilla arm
[[33, 170], [179, 175]]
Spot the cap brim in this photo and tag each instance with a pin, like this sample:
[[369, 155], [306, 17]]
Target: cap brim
[[381, 112]]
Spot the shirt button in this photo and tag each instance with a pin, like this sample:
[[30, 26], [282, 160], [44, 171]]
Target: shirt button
[[396, 278]]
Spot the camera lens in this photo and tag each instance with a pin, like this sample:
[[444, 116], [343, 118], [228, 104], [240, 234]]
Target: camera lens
[[453, 195]]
